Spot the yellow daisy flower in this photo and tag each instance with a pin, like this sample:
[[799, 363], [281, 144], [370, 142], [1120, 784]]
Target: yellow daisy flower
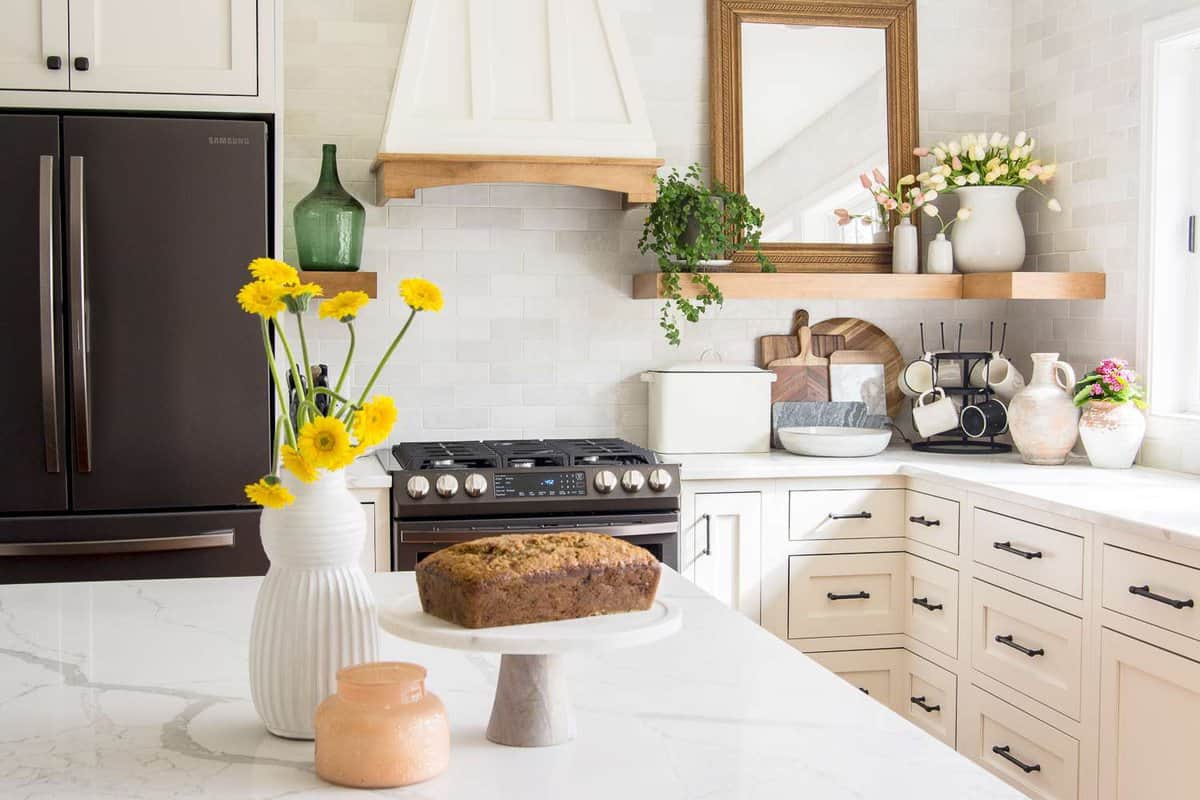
[[325, 443], [294, 463], [374, 422], [264, 298], [343, 306], [270, 269], [268, 492], [421, 295], [297, 296]]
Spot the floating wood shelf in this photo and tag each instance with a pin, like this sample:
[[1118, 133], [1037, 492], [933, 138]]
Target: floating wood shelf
[[889, 286], [399, 175], [334, 282]]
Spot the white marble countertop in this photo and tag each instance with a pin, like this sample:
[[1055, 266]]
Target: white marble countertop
[[1151, 502], [367, 473], [139, 689]]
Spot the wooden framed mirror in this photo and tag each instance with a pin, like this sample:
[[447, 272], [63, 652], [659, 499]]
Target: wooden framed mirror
[[806, 95]]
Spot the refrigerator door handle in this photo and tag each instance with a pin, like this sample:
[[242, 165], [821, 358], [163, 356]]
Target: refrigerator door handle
[[80, 399], [108, 547], [48, 313]]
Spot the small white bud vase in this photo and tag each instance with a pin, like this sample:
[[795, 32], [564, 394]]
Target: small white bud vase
[[904, 248], [1042, 417], [992, 239], [1111, 433], [315, 613], [940, 259]]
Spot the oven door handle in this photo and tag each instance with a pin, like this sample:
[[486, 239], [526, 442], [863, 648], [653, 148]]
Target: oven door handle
[[445, 535]]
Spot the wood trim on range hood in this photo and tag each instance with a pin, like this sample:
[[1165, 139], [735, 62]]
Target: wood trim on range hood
[[399, 175]]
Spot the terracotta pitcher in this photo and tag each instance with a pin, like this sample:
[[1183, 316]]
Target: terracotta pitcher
[[1042, 417]]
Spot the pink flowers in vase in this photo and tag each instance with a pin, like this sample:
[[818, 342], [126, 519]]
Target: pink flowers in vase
[[900, 200]]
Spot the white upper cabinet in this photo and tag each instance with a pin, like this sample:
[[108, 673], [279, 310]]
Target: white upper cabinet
[[164, 47], [167, 46], [33, 45]]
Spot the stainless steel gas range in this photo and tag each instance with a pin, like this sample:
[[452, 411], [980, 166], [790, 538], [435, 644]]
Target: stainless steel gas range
[[449, 492]]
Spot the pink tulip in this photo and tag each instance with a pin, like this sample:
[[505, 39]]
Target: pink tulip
[[905, 208], [956, 163], [920, 152], [881, 198], [879, 178], [891, 204], [864, 180], [841, 212], [843, 221]]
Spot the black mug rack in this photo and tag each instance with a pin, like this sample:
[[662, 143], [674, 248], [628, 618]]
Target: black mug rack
[[956, 441]]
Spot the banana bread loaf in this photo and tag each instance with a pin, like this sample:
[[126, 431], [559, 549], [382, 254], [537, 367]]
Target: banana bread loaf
[[536, 577]]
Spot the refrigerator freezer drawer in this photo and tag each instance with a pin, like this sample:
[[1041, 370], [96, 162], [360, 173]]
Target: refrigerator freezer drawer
[[197, 544]]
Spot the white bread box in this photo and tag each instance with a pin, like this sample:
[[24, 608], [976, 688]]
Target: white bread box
[[710, 407]]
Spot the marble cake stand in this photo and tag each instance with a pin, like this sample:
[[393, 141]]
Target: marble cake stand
[[532, 706]]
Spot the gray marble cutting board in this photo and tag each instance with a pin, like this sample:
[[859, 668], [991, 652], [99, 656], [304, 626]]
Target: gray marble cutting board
[[832, 415]]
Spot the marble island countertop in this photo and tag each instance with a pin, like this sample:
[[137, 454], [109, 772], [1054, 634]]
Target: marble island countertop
[[139, 689], [1150, 502]]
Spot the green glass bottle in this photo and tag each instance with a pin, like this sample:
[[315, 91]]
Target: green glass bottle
[[329, 222]]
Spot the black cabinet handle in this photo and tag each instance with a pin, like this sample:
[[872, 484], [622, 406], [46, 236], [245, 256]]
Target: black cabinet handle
[[864, 691], [1144, 591], [82, 63], [855, 596], [1006, 753], [1008, 548], [707, 535], [54, 62], [928, 523], [920, 701], [923, 602], [859, 515], [1008, 642]]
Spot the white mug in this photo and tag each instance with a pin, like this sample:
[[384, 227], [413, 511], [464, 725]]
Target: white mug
[[917, 376], [935, 417], [1000, 374]]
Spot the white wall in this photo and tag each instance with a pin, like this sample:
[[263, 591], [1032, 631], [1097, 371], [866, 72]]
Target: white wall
[[540, 336]]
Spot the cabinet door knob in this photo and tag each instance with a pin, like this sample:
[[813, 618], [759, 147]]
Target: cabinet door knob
[[82, 64], [54, 62]]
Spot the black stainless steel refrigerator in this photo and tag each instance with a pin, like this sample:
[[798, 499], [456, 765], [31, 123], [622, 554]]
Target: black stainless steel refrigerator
[[134, 402]]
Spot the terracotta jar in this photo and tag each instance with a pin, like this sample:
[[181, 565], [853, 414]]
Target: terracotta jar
[[381, 729], [1042, 417]]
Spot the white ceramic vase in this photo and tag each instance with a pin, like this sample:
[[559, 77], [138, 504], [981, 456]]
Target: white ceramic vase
[[315, 613], [904, 248], [1042, 417], [992, 238], [940, 259], [1111, 433]]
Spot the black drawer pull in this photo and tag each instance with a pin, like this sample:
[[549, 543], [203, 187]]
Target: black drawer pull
[[923, 602], [855, 596], [1144, 591], [859, 515], [1008, 642], [928, 523], [1008, 548], [1006, 753], [864, 691], [920, 701]]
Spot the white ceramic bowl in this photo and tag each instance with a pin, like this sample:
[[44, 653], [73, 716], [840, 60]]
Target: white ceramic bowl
[[835, 442]]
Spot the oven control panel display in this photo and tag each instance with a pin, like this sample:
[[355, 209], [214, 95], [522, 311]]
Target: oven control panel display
[[541, 484]]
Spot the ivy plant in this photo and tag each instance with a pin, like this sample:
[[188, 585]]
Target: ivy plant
[[690, 223]]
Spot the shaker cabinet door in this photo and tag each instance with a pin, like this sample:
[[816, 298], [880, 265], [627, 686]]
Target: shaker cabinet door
[[197, 47], [33, 33], [727, 542], [1149, 721]]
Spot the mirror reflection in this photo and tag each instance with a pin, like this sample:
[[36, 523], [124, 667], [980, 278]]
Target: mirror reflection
[[814, 116]]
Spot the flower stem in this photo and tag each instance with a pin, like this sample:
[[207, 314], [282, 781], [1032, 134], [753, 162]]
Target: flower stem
[[346, 366], [283, 410], [275, 444], [304, 353], [287, 348], [387, 355]]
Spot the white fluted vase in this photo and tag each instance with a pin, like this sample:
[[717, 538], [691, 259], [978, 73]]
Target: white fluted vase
[[315, 613]]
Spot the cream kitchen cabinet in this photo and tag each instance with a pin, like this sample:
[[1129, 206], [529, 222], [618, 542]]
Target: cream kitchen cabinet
[[377, 549], [726, 536], [1149, 721], [199, 47]]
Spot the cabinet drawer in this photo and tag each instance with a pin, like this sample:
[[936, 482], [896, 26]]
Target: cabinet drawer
[[932, 609], [1034, 552], [1160, 592], [846, 595], [992, 729], [873, 672], [845, 514], [1035, 649], [931, 520], [929, 694]]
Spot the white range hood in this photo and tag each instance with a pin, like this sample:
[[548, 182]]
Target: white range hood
[[538, 91]]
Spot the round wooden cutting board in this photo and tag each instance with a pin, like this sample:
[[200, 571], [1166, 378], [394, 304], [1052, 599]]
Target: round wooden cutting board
[[862, 335]]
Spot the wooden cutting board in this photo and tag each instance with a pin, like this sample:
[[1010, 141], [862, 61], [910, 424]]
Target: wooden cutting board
[[803, 377], [857, 376], [862, 335], [778, 346]]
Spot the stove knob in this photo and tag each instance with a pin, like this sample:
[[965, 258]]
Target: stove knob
[[660, 480], [605, 481], [418, 487], [475, 484], [632, 480], [447, 486]]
